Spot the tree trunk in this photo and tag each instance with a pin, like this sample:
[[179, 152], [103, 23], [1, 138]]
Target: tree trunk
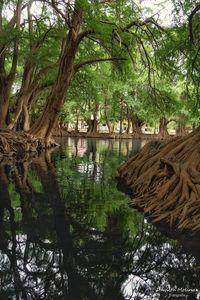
[[121, 117], [30, 83], [76, 125], [4, 103], [163, 128], [136, 125], [23, 100], [163, 180], [128, 121], [6, 80], [92, 126], [44, 125], [181, 125], [128, 126], [110, 127]]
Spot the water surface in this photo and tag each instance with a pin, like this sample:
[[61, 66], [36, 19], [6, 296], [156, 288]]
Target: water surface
[[66, 232]]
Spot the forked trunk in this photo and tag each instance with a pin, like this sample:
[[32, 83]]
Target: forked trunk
[[44, 125], [110, 127], [21, 119]]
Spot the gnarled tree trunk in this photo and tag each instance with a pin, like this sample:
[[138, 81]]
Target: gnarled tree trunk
[[93, 122], [136, 125], [44, 125], [164, 180], [4, 102], [92, 126], [163, 128], [30, 81], [23, 100], [6, 80], [181, 125]]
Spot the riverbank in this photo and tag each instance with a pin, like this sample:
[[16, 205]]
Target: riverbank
[[18, 143], [105, 135]]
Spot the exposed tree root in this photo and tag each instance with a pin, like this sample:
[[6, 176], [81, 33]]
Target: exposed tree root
[[18, 143], [164, 179]]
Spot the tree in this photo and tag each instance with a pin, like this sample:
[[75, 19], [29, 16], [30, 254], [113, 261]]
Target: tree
[[81, 24], [9, 49], [36, 60]]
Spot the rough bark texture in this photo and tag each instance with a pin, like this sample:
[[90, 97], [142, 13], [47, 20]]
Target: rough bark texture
[[17, 144], [108, 123], [181, 130], [136, 125], [45, 124], [23, 100], [7, 79], [4, 102], [163, 128], [92, 126], [128, 126], [163, 180]]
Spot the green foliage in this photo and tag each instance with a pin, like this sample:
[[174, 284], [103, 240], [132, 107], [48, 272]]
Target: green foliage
[[150, 70]]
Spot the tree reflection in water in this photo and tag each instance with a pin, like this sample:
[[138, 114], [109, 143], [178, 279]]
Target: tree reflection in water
[[67, 233]]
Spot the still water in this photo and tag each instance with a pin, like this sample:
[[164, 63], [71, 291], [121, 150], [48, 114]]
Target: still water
[[66, 232]]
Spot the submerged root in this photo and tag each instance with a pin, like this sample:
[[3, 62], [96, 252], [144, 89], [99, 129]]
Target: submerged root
[[165, 181]]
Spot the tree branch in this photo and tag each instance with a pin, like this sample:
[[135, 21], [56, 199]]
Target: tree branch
[[83, 34], [190, 19], [66, 18], [93, 61], [140, 23], [16, 43]]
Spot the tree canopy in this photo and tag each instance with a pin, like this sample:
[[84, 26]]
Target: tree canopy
[[101, 62]]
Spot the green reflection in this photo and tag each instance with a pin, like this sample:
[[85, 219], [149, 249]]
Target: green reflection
[[66, 232]]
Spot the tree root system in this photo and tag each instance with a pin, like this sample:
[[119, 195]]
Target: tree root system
[[18, 143], [164, 180]]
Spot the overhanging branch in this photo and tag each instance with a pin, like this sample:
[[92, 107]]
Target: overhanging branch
[[140, 23], [190, 19], [96, 60]]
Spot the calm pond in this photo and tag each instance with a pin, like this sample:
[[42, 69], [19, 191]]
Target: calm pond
[[66, 232]]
